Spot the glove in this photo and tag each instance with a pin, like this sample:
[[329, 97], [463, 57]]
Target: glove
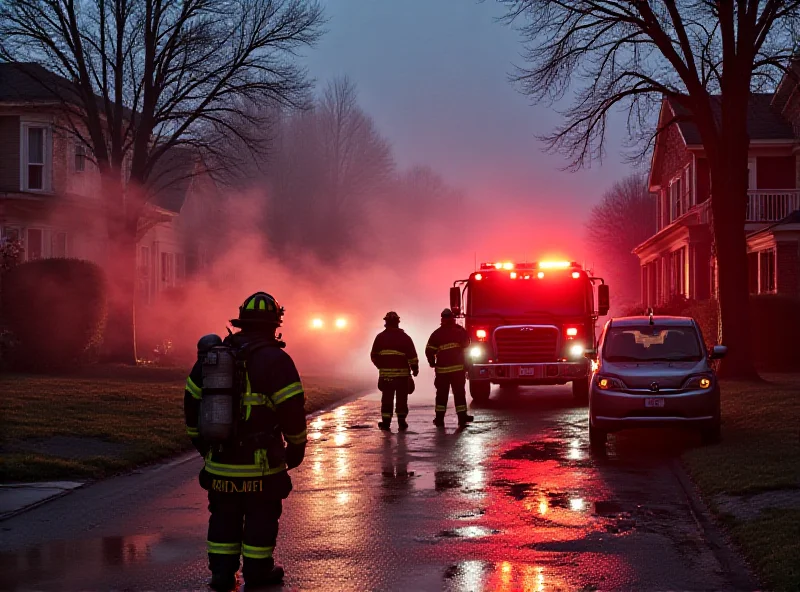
[[294, 455]]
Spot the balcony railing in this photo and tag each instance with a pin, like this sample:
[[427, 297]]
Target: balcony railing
[[763, 205]]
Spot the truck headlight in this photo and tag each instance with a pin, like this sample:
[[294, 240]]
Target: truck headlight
[[475, 352], [576, 351]]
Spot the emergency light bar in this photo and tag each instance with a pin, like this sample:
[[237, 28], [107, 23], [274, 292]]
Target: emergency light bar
[[508, 265]]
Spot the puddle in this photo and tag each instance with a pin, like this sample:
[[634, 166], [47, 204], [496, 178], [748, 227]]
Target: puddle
[[536, 451], [444, 480], [467, 532]]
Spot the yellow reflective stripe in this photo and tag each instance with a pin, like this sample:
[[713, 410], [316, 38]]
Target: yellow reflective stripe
[[441, 408], [413, 361], [287, 393], [300, 438], [192, 432], [255, 470], [390, 352], [224, 548], [393, 372], [447, 369], [449, 346], [386, 415], [252, 552], [254, 399], [460, 408], [433, 348], [195, 390]]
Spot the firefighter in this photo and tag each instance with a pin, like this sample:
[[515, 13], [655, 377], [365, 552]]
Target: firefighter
[[445, 352], [247, 478], [394, 355]]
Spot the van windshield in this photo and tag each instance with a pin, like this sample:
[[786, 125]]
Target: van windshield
[[652, 344]]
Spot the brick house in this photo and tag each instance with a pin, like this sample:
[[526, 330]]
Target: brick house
[[50, 188], [678, 260]]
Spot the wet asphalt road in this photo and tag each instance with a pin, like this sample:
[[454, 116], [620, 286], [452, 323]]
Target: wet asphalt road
[[514, 502]]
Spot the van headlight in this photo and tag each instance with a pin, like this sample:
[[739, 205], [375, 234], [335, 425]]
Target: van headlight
[[698, 382], [476, 352], [609, 383]]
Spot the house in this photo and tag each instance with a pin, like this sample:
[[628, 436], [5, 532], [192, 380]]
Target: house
[[678, 260], [50, 195]]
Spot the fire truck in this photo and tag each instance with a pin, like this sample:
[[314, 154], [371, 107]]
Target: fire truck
[[530, 324]]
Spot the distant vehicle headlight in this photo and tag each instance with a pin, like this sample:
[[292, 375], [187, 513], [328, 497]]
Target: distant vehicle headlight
[[341, 323], [317, 323], [698, 382], [609, 383], [475, 352]]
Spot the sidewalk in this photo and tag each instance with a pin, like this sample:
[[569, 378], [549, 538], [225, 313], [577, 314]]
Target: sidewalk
[[18, 497]]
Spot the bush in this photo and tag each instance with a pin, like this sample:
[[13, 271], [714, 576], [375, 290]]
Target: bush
[[775, 321], [56, 309]]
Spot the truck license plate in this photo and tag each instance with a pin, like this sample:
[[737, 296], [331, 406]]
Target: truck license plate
[[527, 371], [654, 402]]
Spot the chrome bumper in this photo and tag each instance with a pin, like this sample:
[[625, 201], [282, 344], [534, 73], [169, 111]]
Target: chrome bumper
[[524, 372]]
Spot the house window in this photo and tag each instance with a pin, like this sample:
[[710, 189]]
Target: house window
[[751, 173], [766, 271], [687, 188], [11, 233], [752, 273], [144, 275], [676, 198], [33, 244], [167, 269], [80, 157], [677, 273], [59, 244], [180, 267], [35, 157]]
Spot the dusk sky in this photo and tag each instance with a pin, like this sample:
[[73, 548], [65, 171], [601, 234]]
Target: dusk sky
[[434, 75]]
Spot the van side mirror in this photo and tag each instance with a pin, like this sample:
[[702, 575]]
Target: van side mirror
[[590, 354], [603, 300], [455, 300], [718, 352]]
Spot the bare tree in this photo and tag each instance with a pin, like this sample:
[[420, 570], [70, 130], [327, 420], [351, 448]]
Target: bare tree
[[151, 75], [632, 55], [624, 218]]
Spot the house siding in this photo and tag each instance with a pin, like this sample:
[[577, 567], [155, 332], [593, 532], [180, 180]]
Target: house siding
[[9, 153], [775, 172], [703, 175], [787, 263], [674, 156]]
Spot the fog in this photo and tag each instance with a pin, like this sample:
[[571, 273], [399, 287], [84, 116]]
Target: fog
[[430, 79]]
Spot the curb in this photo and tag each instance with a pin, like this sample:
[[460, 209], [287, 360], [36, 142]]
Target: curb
[[736, 570], [10, 514]]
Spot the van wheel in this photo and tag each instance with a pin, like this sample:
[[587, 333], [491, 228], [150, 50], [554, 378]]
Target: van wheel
[[713, 433], [597, 439], [580, 390], [480, 390]]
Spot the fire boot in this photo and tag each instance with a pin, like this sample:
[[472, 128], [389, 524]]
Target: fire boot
[[222, 582], [439, 420], [402, 424], [270, 579], [464, 419], [384, 425]]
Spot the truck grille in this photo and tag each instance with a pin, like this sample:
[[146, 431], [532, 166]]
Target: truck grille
[[526, 344]]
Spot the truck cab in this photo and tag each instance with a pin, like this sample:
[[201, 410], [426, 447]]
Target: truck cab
[[530, 324]]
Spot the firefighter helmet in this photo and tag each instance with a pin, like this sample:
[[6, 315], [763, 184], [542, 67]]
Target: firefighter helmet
[[392, 318], [447, 314], [261, 309]]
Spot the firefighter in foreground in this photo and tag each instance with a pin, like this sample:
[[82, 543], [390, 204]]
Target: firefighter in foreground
[[394, 355], [243, 399], [445, 352]]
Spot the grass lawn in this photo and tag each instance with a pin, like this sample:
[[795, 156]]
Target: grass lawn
[[760, 452], [105, 419]]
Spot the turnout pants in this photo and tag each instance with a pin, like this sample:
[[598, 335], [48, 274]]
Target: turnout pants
[[451, 380], [394, 393], [246, 524]]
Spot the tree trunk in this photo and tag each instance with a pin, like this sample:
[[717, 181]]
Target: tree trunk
[[119, 344], [729, 206]]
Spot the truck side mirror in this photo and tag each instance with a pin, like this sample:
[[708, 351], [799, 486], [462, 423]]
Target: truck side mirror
[[455, 300], [590, 354], [718, 352], [603, 300]]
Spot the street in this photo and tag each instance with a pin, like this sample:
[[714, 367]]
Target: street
[[513, 502]]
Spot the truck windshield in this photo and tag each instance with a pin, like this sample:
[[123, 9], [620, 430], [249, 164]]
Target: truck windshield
[[652, 344], [525, 297]]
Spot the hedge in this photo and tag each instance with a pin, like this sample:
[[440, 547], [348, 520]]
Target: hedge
[[56, 309], [774, 325]]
